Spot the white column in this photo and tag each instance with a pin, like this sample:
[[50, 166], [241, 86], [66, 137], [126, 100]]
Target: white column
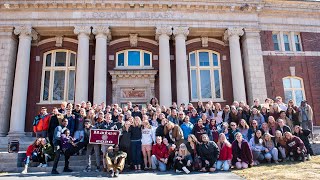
[[82, 74], [238, 84], [100, 69], [20, 88], [180, 34], [163, 35]]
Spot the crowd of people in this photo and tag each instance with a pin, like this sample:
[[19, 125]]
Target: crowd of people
[[206, 137]]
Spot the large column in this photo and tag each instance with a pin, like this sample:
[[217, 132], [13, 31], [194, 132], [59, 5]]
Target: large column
[[82, 74], [100, 69], [163, 35], [8, 52], [20, 87], [180, 34], [253, 65], [238, 84]]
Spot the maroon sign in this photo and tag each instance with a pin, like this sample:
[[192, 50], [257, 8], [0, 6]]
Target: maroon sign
[[104, 137]]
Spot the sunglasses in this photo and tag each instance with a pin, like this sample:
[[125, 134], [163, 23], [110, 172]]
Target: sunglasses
[[233, 125]]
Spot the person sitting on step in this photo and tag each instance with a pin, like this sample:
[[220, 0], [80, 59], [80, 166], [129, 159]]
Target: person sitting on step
[[115, 160], [33, 153]]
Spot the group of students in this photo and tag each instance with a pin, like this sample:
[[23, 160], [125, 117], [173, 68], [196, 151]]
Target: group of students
[[186, 138]]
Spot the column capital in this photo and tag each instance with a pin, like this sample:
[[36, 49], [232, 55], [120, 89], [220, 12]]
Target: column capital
[[25, 31], [85, 30], [233, 31], [102, 31], [184, 31], [166, 30]]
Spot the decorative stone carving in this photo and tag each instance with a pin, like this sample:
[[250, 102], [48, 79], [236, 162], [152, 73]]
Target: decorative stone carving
[[181, 31], [86, 30], [204, 41], [103, 31], [231, 32], [133, 40], [25, 31], [167, 30], [292, 71], [59, 41]]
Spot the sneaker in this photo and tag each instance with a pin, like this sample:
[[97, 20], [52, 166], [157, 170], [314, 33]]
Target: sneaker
[[87, 169], [186, 170], [178, 171], [116, 174], [44, 165], [97, 170], [111, 173], [67, 170], [54, 172], [277, 162], [308, 157], [25, 171], [40, 165]]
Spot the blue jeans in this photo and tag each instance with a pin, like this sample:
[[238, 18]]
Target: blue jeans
[[136, 152], [224, 165]]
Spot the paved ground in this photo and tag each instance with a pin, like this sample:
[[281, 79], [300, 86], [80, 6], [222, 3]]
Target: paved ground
[[125, 176]]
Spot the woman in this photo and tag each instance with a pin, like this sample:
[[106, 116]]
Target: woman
[[35, 154], [199, 129], [135, 138], [186, 127], [225, 156], [209, 111], [209, 152], [232, 131], [125, 142], [192, 146], [183, 160], [280, 143], [303, 134], [265, 128], [241, 153], [79, 125], [292, 105], [154, 102], [200, 108], [257, 147], [154, 121], [286, 120], [173, 133], [194, 116], [213, 131], [273, 125], [264, 112], [47, 151], [271, 152], [91, 115], [274, 110], [257, 116], [244, 129], [253, 128], [218, 113], [293, 115], [234, 116], [148, 138]]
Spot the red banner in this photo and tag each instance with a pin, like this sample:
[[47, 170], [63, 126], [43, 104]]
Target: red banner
[[104, 137]]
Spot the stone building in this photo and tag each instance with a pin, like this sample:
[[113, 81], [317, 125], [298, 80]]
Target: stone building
[[178, 50]]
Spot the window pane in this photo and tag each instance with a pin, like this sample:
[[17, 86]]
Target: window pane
[[194, 84], [72, 75], [286, 42], [58, 86], [45, 96], [61, 58], [215, 60], [204, 59], [275, 42], [121, 59], [299, 96], [296, 83], [297, 42], [205, 84], [48, 59], [72, 59], [286, 83], [217, 83], [133, 58], [193, 59], [287, 96], [146, 59]]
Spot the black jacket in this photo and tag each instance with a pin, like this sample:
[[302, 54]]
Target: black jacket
[[209, 151]]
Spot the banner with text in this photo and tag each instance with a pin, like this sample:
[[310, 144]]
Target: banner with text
[[104, 137]]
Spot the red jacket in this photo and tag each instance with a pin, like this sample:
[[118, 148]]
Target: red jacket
[[160, 151], [31, 149], [43, 124], [225, 153]]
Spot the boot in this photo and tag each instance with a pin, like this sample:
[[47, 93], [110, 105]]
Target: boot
[[25, 171], [185, 169]]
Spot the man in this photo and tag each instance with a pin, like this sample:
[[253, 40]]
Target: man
[[296, 148], [283, 127], [62, 109], [136, 112], [55, 120], [256, 104], [306, 117], [159, 155], [115, 160], [282, 105], [209, 153], [41, 123], [173, 117], [88, 126], [71, 121], [115, 115]]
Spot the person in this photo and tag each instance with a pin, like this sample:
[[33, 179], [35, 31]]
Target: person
[[199, 129], [271, 152], [280, 143], [209, 153], [124, 143], [41, 123], [286, 120], [173, 117], [273, 125], [62, 109], [253, 128], [154, 102], [79, 125], [47, 151], [115, 160], [226, 114], [256, 115], [71, 121], [194, 116], [55, 120], [213, 130], [257, 148], [33, 153], [283, 127], [136, 112], [241, 153], [183, 160], [147, 139], [244, 129], [303, 135], [87, 128], [181, 116], [173, 133], [200, 107], [293, 115], [232, 131], [192, 146], [225, 156], [186, 127], [159, 155], [306, 117], [296, 148], [136, 145]]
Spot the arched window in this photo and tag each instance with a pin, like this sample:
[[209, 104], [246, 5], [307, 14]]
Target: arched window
[[134, 58], [205, 75], [293, 89], [58, 76]]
